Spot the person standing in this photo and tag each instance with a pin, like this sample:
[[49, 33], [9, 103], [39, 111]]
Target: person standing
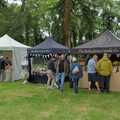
[[91, 68], [2, 68], [67, 66], [61, 71], [8, 70], [24, 72], [51, 72], [8, 61], [104, 69], [75, 73]]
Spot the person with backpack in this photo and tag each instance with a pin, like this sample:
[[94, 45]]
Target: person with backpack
[[76, 74], [104, 69]]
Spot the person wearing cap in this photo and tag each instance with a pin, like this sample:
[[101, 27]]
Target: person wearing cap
[[76, 73], [104, 69]]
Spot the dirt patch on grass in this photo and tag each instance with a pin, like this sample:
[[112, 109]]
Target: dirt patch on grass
[[11, 95], [48, 112], [81, 108]]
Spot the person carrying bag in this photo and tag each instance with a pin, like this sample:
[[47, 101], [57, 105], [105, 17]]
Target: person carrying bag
[[76, 74]]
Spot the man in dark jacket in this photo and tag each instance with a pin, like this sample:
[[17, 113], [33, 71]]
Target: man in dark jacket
[[61, 71], [2, 68]]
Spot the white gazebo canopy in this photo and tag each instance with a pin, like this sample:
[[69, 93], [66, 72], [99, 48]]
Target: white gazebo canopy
[[7, 42], [19, 53]]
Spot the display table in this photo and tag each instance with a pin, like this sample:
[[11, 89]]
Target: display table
[[38, 78], [114, 82]]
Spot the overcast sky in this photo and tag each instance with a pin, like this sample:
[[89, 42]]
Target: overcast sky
[[14, 1], [19, 1]]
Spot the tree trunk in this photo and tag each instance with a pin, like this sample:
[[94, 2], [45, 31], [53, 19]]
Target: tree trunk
[[66, 21], [27, 34], [74, 38], [23, 6], [35, 35]]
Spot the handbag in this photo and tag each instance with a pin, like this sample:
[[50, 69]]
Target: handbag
[[75, 70]]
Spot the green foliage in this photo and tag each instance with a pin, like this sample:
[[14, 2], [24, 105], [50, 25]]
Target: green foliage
[[88, 19], [38, 18], [29, 22], [11, 21], [2, 4]]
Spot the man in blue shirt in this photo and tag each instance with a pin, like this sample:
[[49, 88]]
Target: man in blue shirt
[[91, 68]]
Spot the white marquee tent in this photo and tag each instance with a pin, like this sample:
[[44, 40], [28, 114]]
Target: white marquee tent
[[18, 54]]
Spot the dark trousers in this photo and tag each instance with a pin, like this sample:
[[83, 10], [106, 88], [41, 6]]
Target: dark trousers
[[75, 81], [93, 86], [75, 85], [105, 83], [71, 83]]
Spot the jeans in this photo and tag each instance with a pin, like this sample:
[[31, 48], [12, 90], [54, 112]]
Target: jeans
[[60, 80], [75, 81]]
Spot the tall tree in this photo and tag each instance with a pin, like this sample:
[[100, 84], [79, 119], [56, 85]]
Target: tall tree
[[23, 5], [66, 21], [71, 22]]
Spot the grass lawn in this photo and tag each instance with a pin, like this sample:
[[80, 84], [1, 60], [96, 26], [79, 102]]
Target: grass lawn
[[34, 102]]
